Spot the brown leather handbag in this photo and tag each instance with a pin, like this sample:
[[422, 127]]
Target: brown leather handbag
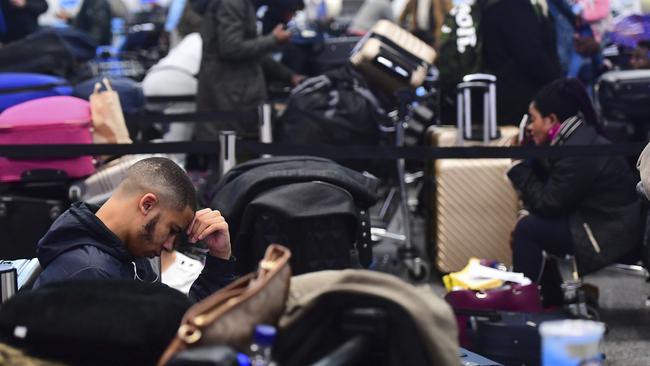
[[230, 315]]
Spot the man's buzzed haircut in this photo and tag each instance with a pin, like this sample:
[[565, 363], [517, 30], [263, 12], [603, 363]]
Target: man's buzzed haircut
[[163, 177]]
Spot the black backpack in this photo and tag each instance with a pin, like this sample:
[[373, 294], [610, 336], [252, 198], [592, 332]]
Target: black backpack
[[335, 108], [59, 52], [313, 206]]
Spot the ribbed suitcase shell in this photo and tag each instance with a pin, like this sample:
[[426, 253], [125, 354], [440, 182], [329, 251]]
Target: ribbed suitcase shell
[[51, 120], [474, 207], [414, 56]]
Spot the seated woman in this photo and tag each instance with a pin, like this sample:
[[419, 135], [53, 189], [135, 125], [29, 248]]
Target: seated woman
[[585, 206]]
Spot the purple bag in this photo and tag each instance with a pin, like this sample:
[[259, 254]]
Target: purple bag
[[511, 297], [630, 30]]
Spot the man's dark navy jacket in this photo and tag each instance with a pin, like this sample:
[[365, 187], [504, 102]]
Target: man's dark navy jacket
[[80, 246]]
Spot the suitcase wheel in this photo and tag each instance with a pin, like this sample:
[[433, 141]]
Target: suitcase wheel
[[418, 271]]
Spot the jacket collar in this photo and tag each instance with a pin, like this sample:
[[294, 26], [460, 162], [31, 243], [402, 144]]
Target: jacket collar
[[103, 236], [567, 129]]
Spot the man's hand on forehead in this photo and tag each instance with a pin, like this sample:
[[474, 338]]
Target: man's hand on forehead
[[208, 225]]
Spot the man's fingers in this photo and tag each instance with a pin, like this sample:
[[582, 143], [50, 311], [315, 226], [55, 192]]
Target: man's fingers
[[199, 214], [204, 212], [189, 228], [202, 224], [221, 227], [204, 230]]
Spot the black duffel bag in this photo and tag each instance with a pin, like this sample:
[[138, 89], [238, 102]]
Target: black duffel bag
[[335, 108]]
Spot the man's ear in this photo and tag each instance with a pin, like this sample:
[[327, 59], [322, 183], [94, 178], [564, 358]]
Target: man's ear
[[147, 203]]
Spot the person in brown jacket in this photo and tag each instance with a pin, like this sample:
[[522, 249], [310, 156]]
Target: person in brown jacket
[[426, 25]]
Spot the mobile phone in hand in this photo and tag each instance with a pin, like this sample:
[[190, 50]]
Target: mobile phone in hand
[[522, 129]]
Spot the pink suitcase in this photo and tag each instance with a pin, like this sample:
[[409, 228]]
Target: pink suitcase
[[53, 120]]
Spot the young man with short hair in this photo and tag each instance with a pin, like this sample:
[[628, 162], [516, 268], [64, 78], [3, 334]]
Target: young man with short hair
[[151, 207]]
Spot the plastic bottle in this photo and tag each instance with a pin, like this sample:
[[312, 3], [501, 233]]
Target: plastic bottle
[[260, 350], [243, 359]]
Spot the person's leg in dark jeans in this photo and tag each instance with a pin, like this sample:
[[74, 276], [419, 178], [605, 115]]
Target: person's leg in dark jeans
[[534, 235]]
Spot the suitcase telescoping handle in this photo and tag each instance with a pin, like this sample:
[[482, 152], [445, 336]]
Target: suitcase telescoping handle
[[487, 84]]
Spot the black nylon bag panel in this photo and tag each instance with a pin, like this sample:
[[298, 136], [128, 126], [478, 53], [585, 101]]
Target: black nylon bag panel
[[95, 322], [315, 220]]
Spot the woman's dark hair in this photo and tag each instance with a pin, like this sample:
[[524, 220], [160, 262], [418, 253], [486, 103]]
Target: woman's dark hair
[[565, 98]]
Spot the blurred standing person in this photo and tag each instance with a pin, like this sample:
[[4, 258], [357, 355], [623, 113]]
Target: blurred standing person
[[49, 18], [592, 21], [370, 13], [596, 13], [640, 58], [236, 65], [425, 18], [565, 22], [93, 18], [181, 20], [519, 47], [277, 12], [18, 18]]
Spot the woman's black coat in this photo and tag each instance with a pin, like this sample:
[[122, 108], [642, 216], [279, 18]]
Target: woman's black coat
[[597, 194]]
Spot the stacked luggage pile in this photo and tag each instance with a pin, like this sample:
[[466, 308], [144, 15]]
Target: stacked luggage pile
[[327, 215]]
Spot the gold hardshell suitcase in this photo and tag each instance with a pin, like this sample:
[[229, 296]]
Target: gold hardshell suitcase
[[473, 205], [392, 58]]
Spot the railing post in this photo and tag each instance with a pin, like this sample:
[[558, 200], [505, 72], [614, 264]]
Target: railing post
[[266, 127], [227, 151]]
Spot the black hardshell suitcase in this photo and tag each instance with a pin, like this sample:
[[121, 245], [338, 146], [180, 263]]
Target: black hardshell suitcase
[[23, 222], [623, 95], [28, 209], [623, 98], [511, 338]]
